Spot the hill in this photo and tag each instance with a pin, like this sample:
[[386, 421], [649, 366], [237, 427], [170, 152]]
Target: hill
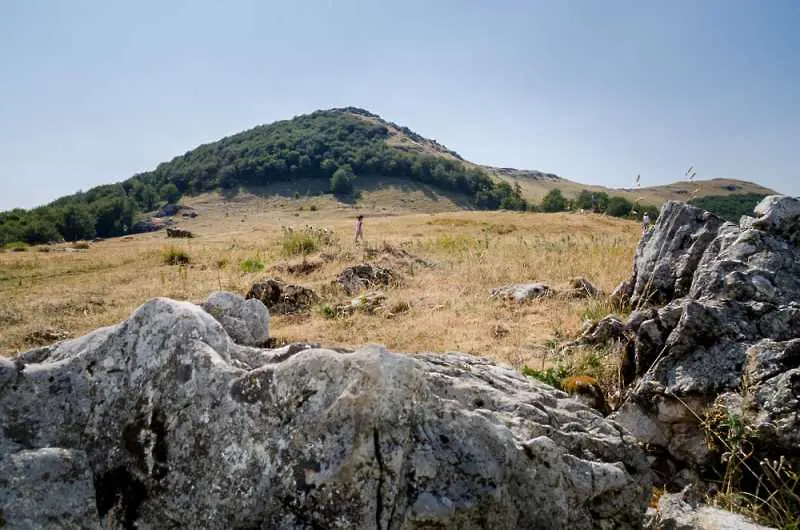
[[535, 185], [348, 152], [337, 147]]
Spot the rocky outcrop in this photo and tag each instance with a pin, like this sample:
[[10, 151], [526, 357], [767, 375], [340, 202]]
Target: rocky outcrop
[[164, 422], [281, 297], [719, 313], [365, 276], [246, 321]]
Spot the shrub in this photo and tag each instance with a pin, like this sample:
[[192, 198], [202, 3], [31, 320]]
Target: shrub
[[302, 242], [552, 376], [252, 265], [81, 245], [554, 201], [17, 246], [175, 256]]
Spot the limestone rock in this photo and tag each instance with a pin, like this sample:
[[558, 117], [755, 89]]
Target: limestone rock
[[678, 511], [780, 215], [182, 428], [667, 256], [724, 316], [47, 488], [245, 320], [281, 297], [365, 276], [521, 292]]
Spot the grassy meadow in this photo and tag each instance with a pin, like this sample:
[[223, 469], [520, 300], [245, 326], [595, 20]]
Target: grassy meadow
[[46, 295]]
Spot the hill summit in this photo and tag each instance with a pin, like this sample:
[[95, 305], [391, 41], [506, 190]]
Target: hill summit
[[336, 146]]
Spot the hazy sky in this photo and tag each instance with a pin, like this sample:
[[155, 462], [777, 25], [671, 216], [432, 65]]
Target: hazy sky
[[92, 92]]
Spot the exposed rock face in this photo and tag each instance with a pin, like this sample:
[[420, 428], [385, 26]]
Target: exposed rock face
[[178, 427], [245, 321], [727, 319], [281, 297]]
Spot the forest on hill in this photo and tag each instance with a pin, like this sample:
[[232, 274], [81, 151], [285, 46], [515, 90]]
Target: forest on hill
[[729, 207], [336, 146]]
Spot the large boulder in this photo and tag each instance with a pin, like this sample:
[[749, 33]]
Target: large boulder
[[245, 320], [179, 427], [723, 318]]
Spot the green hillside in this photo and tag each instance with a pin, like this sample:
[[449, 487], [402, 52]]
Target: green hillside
[[729, 207], [336, 146]]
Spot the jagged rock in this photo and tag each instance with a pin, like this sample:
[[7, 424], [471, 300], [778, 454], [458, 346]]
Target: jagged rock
[[667, 256], [365, 276], [177, 433], [281, 297], [679, 511], [521, 292], [729, 307], [779, 215], [246, 321]]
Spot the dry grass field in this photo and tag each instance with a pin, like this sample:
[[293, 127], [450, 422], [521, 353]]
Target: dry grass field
[[445, 307]]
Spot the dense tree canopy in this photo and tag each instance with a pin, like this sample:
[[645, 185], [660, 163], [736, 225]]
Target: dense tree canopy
[[600, 202], [729, 207], [337, 146]]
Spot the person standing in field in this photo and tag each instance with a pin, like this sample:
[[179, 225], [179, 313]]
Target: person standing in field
[[645, 223], [359, 228]]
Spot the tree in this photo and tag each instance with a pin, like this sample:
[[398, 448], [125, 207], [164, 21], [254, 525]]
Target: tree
[[115, 215], [619, 206], [342, 180], [77, 222], [169, 192], [40, 229], [554, 201]]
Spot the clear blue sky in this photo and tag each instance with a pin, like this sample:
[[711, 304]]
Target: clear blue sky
[[92, 92]]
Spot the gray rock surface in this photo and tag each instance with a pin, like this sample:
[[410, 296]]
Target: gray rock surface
[[678, 511], [245, 320], [521, 292], [724, 316], [182, 428], [47, 488]]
